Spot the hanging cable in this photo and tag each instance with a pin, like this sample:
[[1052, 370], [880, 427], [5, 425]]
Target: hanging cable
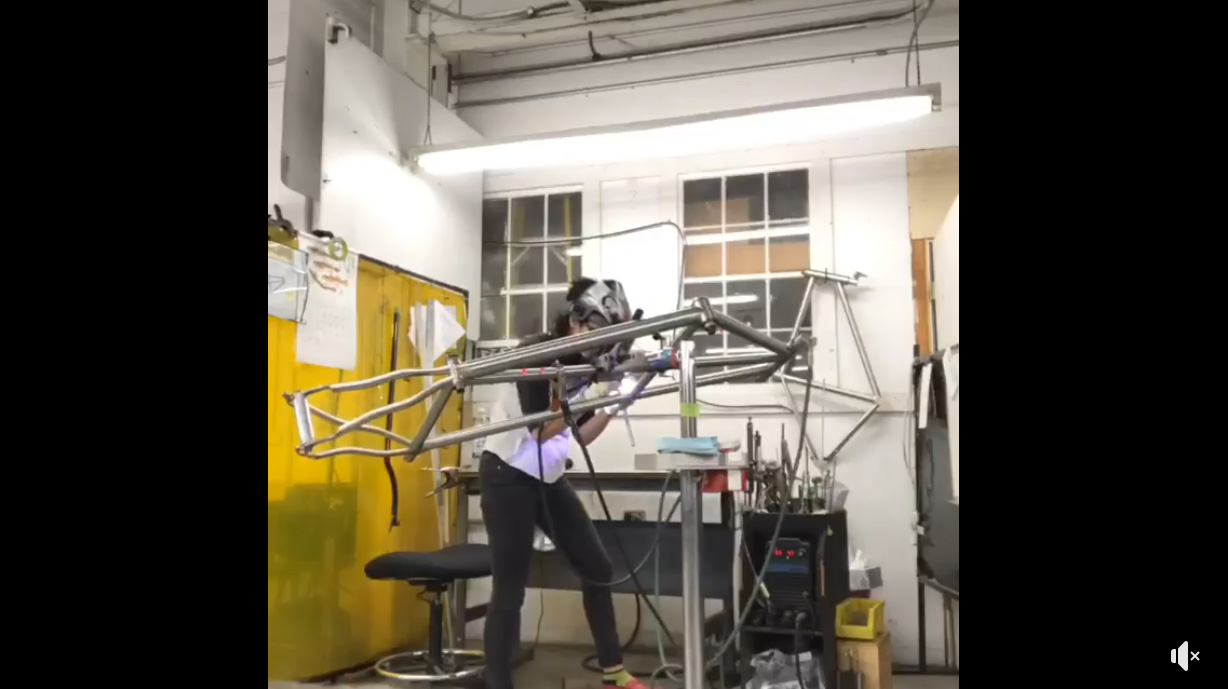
[[918, 18], [631, 576], [394, 519], [429, 84], [780, 520]]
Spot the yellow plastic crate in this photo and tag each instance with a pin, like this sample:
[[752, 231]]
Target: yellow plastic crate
[[861, 618]]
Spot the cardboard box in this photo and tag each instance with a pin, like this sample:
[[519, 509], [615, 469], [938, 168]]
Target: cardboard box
[[871, 658]]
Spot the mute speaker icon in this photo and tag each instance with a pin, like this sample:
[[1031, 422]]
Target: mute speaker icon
[[1182, 656]]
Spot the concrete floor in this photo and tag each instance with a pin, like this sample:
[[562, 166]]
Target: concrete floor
[[560, 667], [551, 664]]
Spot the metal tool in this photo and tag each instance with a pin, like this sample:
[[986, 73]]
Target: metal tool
[[449, 480], [629, 433]]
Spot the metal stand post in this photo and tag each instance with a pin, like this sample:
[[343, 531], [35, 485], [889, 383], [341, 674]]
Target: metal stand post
[[692, 523]]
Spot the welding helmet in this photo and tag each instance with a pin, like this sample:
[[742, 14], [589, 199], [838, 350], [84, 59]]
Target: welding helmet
[[602, 304]]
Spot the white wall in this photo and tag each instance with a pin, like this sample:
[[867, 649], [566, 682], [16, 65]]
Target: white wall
[[946, 278], [373, 115], [859, 211], [340, 122]]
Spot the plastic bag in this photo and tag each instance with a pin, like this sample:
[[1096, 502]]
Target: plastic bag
[[777, 670]]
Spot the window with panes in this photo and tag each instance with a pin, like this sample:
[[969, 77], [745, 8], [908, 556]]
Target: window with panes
[[748, 236], [530, 254]]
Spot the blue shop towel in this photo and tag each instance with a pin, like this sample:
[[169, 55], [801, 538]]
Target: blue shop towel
[[704, 447]]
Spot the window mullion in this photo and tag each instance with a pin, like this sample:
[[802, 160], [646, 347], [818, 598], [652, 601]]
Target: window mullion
[[767, 264], [545, 255], [545, 248], [507, 273]]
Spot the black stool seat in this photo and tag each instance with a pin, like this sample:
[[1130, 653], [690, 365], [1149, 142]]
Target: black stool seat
[[464, 561]]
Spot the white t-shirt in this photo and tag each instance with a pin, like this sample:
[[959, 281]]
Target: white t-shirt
[[518, 448]]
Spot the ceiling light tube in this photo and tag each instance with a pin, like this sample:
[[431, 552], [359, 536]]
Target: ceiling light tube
[[761, 127]]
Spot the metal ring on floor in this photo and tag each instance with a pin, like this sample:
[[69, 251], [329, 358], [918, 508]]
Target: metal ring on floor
[[419, 670]]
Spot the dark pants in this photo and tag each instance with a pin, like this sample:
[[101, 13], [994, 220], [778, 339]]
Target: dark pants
[[511, 506]]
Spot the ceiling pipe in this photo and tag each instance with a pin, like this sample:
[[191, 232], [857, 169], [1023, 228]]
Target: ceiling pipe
[[637, 34], [876, 52], [693, 47], [524, 13]]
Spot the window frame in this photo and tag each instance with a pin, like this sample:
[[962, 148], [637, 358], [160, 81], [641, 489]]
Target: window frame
[[763, 231], [507, 292]]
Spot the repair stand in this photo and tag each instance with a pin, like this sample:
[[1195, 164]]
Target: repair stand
[[692, 522], [694, 472]]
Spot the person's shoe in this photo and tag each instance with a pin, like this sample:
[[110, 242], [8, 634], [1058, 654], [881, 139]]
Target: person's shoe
[[632, 684], [622, 680]]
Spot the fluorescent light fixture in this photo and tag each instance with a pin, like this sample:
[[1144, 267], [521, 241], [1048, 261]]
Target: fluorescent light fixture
[[734, 299], [761, 127]]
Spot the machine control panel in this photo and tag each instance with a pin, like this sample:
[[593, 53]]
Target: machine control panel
[[791, 555], [790, 577]]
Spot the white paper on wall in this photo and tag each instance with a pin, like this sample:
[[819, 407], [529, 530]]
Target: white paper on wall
[[328, 335], [433, 330], [923, 395], [950, 370], [950, 365], [287, 282]]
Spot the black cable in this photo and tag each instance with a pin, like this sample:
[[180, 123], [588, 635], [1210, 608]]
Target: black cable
[[914, 41], [550, 525], [590, 662], [797, 651], [541, 608], [430, 83], [801, 443], [908, 50], [394, 519], [528, 12], [780, 521], [631, 576], [570, 420]]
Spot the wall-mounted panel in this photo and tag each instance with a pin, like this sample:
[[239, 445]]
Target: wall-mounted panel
[[374, 117], [933, 184]]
